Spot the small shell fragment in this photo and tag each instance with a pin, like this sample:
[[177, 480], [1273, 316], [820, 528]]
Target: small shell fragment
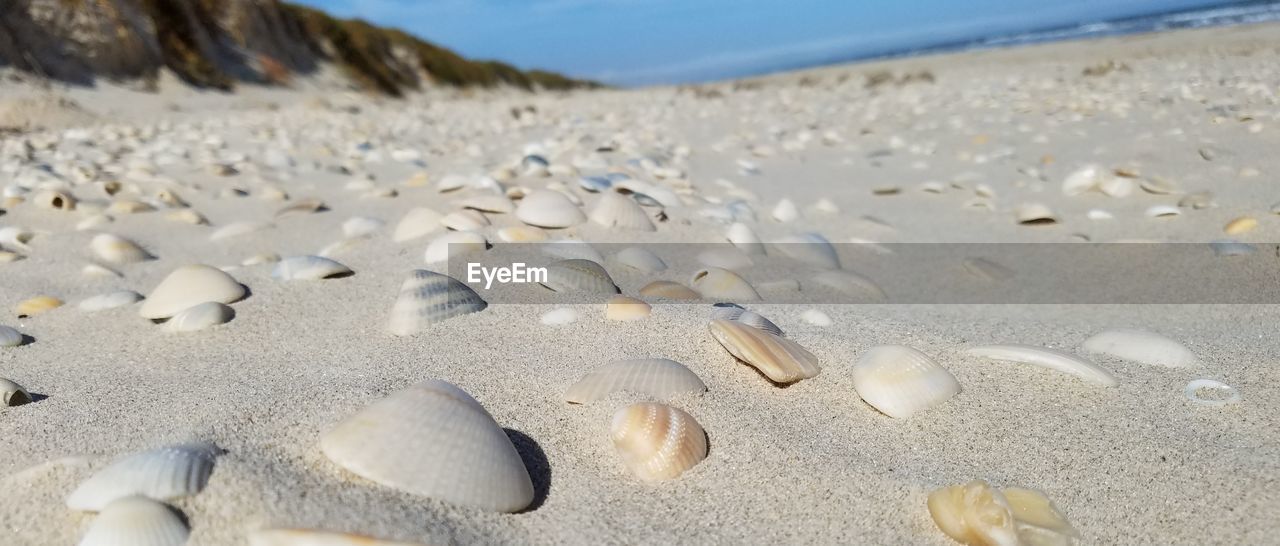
[[1048, 358], [559, 317], [308, 268], [785, 211], [1162, 211], [118, 250], [816, 318], [778, 358], [238, 229], [657, 442], [656, 377], [34, 306], [163, 473], [1141, 346], [626, 309], [1034, 214], [361, 226], [200, 317], [900, 381]]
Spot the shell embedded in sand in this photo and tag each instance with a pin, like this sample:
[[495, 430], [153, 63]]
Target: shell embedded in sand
[[849, 284], [778, 358], [669, 290], [521, 234], [1034, 214], [7, 256], [34, 306], [99, 270], [656, 377], [1226, 394], [579, 276], [188, 286], [816, 318], [615, 210], [735, 312], [164, 473], [238, 229], [199, 317], [1141, 346], [10, 337], [810, 248], [435, 440], [742, 236], [656, 441], [118, 250], [308, 268], [900, 381], [427, 297], [1162, 211], [454, 243], [785, 211], [308, 537], [497, 204], [136, 521], [16, 238], [1084, 179], [12, 394], [715, 283], [110, 300], [188, 216], [1048, 358], [464, 220], [559, 317], [625, 309], [549, 209], [304, 206], [980, 515], [641, 259], [1243, 224], [56, 200], [128, 206], [361, 226], [418, 222]]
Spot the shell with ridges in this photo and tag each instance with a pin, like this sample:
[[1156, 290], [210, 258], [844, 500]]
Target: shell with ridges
[[110, 300], [579, 276], [657, 377], [735, 312], [615, 210], [1141, 346], [308, 537], [136, 521], [721, 284], [308, 268], [118, 250], [163, 473], [900, 381], [656, 441], [12, 394], [641, 259], [1047, 358], [549, 209], [427, 297], [188, 286], [199, 317], [778, 358]]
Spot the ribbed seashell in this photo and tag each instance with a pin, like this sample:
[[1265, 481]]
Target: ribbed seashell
[[669, 290], [161, 474], [572, 249], [584, 276], [418, 222], [549, 209], [744, 238], [54, 199], [303, 206], [521, 234], [118, 250], [308, 537], [1034, 214], [1162, 211], [188, 216], [454, 243], [435, 440], [850, 284], [1141, 346], [427, 297], [188, 286], [110, 300], [559, 316], [785, 211], [735, 312], [656, 377], [199, 317], [809, 248], [1048, 358], [10, 337], [714, 283], [626, 309], [816, 318], [237, 229], [981, 515], [778, 358], [129, 206], [34, 306], [656, 441], [464, 220], [308, 268], [361, 226], [641, 259], [615, 210], [488, 203], [900, 381], [136, 521], [12, 394]]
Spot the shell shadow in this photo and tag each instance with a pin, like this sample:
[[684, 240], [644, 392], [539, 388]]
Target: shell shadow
[[535, 460], [26, 340]]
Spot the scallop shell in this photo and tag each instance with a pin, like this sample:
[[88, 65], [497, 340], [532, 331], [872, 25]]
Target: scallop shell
[[626, 309], [435, 440], [669, 290], [110, 300], [188, 286], [549, 209], [559, 317], [744, 238], [778, 358], [579, 276], [308, 537], [641, 259], [900, 381], [10, 337], [656, 441], [735, 312], [161, 474], [418, 222], [361, 226], [521, 234], [12, 394], [118, 250], [488, 203], [715, 283], [304, 206], [785, 211], [1048, 358], [809, 248], [615, 210], [1034, 214], [238, 229], [1141, 346], [308, 268], [464, 220], [1162, 211], [427, 298], [656, 377], [136, 521], [850, 284], [454, 243], [35, 306], [978, 514], [199, 317]]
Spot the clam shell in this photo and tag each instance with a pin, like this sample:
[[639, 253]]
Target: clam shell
[[900, 381], [454, 243], [427, 298], [308, 537], [744, 238], [35, 306], [238, 229], [559, 317], [626, 309], [199, 317], [850, 284], [1048, 358], [136, 521], [549, 209], [735, 312], [977, 513], [161, 474], [464, 220], [361, 226], [656, 377], [188, 286], [1141, 346], [714, 283], [497, 204], [778, 358], [12, 394], [785, 211], [308, 268], [615, 210], [433, 439], [669, 290], [1162, 211], [809, 248], [418, 222], [656, 441], [579, 276], [641, 259], [118, 250], [521, 234], [1034, 214], [595, 184], [10, 337], [110, 300]]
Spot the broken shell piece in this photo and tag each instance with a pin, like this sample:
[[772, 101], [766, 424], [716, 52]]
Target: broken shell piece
[[308, 537], [308, 268], [900, 381], [1162, 211], [163, 473], [427, 297], [978, 514], [1243, 224], [12, 394], [34, 306], [1198, 200], [416, 223], [656, 377], [583, 276], [110, 300], [626, 309], [669, 290], [778, 358], [1197, 392], [656, 441], [200, 317], [1158, 186], [1141, 346], [136, 521], [188, 286], [118, 250], [1047, 358], [715, 283], [641, 259], [1034, 214], [1082, 180]]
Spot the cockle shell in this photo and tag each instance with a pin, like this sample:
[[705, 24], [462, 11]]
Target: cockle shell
[[454, 243], [549, 209], [110, 300], [464, 220], [10, 337], [735, 312], [579, 276], [626, 309], [900, 381], [161, 474], [199, 317], [1141, 346], [810, 248], [361, 226], [744, 238], [237, 229], [118, 250], [435, 440], [669, 290], [778, 358], [714, 283], [521, 234], [1034, 214], [308, 268], [850, 284], [307, 537], [615, 210], [980, 515], [656, 441], [427, 297], [35, 306], [1047, 358], [188, 286], [657, 377], [136, 521], [641, 259], [12, 394], [418, 222]]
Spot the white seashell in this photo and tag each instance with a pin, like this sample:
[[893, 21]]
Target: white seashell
[[715, 283], [778, 358], [669, 290], [654, 377], [850, 284], [188, 286], [9, 257], [641, 259], [16, 238], [978, 514], [416, 223], [583, 276], [308, 268], [816, 318], [12, 394], [560, 316], [785, 211], [34, 306], [99, 270], [933, 187], [488, 203], [307, 537], [1193, 391], [1084, 179], [128, 206], [825, 206], [521, 234], [53, 199], [649, 195], [744, 238], [427, 298], [626, 309], [810, 248], [1115, 186], [656, 441], [1141, 346], [161, 474], [238, 229], [118, 250], [1162, 211], [1098, 214], [188, 216], [200, 317], [10, 337], [1158, 186], [136, 521], [595, 184], [572, 249], [303, 206], [900, 381], [435, 440], [549, 209], [454, 243], [464, 220], [1034, 214], [735, 312], [615, 210], [361, 226], [725, 257], [1048, 358], [110, 300]]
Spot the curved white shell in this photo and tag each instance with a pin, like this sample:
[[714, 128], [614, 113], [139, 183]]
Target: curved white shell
[[849, 284], [626, 309], [579, 276], [427, 297], [99, 270], [91, 222], [656, 377], [238, 229], [464, 220], [669, 290], [656, 441], [416, 223], [10, 337], [1141, 346], [361, 226], [725, 257], [615, 210], [188, 286], [454, 243], [735, 312], [488, 203], [1162, 211], [136, 521], [816, 318], [433, 439], [721, 284], [118, 250], [744, 238], [1192, 392], [810, 248], [641, 259], [1047, 358], [13, 394], [1082, 180], [199, 317], [307, 537], [521, 234], [110, 300], [778, 358], [785, 211], [560, 316], [16, 238], [308, 268], [549, 209], [161, 474], [900, 381], [1034, 214]]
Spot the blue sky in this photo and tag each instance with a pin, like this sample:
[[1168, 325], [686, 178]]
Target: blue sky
[[629, 42]]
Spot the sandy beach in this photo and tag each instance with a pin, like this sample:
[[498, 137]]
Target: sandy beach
[[1186, 120]]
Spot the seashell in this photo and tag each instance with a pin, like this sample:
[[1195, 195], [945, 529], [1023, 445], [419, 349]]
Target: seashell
[[1243, 224], [99, 270], [1198, 200], [427, 298], [188, 286], [188, 216], [118, 250], [886, 190], [849, 284], [656, 441], [534, 165], [641, 259], [725, 257], [1158, 186], [560, 316], [309, 268], [735, 312], [170, 199], [259, 259], [12, 394], [1098, 214], [778, 358], [978, 514], [785, 211], [8, 256], [744, 238], [810, 248], [237, 229], [56, 200], [1083, 180], [626, 309], [984, 190], [1162, 211], [595, 184], [521, 234], [160, 474], [1194, 391], [654, 377], [361, 226], [900, 381], [418, 222], [488, 203], [273, 193], [1034, 214], [136, 521], [669, 290], [307, 537], [649, 195], [816, 318], [615, 210], [16, 238], [933, 187], [1228, 247], [714, 283], [454, 243], [35, 306], [128, 206], [110, 300], [304, 206], [1141, 346], [1048, 358], [452, 182], [1116, 187], [464, 220], [549, 209], [199, 317], [433, 439], [10, 337], [986, 270], [579, 276]]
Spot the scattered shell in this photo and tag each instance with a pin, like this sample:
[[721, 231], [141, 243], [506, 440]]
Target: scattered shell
[[161, 474], [1116, 186], [118, 250], [736, 313], [188, 286], [136, 521], [308, 268], [572, 249], [521, 234], [259, 259], [849, 284], [361, 226], [1162, 211], [1048, 358], [816, 318], [715, 283], [785, 211], [435, 440], [778, 358], [307, 537], [1243, 224], [655, 377], [35, 306], [237, 229], [16, 238], [1098, 214], [1158, 186], [1141, 346], [615, 210], [669, 290], [579, 276], [1034, 214], [595, 184], [10, 337], [744, 238], [110, 300], [12, 394], [1082, 180], [549, 209], [1226, 393], [199, 317], [464, 220], [900, 381], [560, 316], [127, 206], [304, 206], [1198, 200], [656, 441], [809, 248], [626, 309], [427, 297], [980, 515], [641, 259], [454, 243], [418, 222]]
